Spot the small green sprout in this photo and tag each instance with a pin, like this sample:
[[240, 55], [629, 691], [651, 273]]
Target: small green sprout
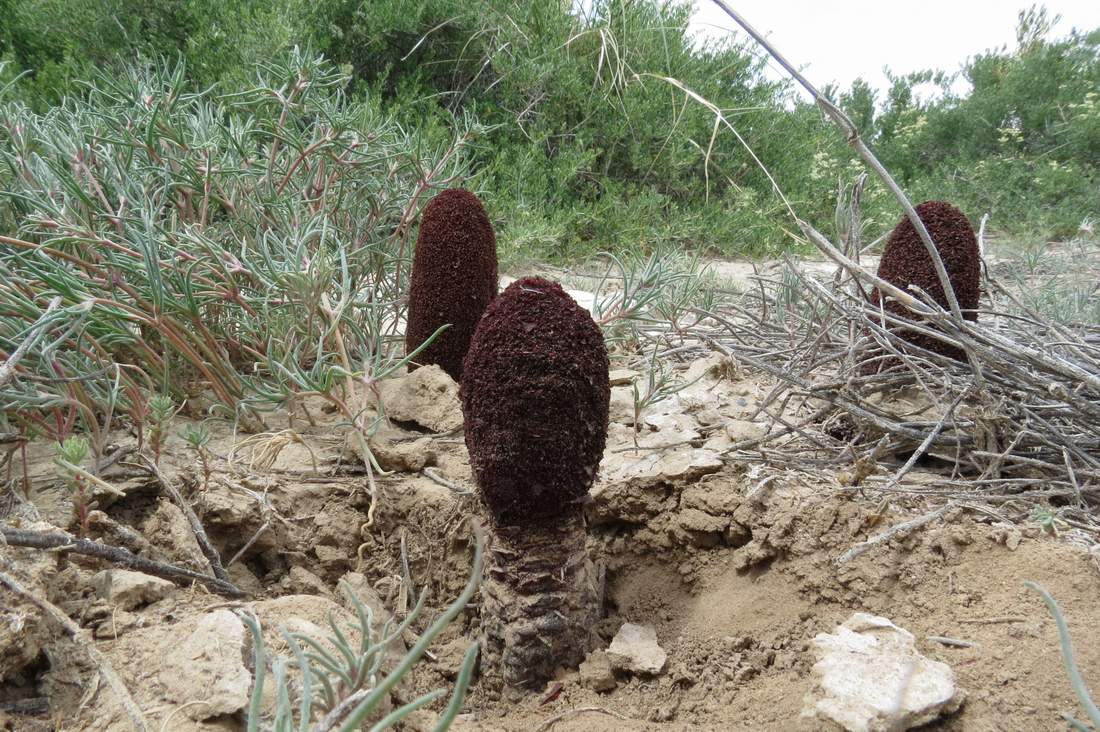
[[161, 411], [197, 437], [1048, 521], [73, 450], [70, 454]]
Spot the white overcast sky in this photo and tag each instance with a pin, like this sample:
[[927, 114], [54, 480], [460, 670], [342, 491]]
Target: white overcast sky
[[841, 40]]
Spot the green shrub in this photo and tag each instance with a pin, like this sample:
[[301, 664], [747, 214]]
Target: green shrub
[[253, 245], [592, 146]]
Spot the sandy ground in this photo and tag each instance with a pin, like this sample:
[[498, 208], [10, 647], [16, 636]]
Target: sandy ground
[[732, 561]]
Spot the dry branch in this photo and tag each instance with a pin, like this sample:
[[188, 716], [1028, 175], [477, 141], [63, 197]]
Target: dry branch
[[197, 529], [98, 659], [117, 556], [551, 721], [33, 706], [1024, 406], [893, 532]]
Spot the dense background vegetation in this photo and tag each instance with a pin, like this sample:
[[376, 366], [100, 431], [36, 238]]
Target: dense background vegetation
[[587, 144]]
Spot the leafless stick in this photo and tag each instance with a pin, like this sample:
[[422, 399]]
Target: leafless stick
[[117, 534], [551, 721], [1072, 476], [248, 544], [753, 442], [758, 492], [891, 533], [992, 621], [338, 712], [98, 659], [117, 556], [904, 470], [34, 705], [954, 642], [113, 458], [408, 587], [435, 476], [1035, 463], [207, 548]]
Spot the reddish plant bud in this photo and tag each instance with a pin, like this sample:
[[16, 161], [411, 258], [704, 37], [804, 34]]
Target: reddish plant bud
[[454, 277], [905, 262], [535, 398]]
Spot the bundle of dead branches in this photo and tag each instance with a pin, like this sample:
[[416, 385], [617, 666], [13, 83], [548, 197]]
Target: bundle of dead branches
[[1014, 425], [1020, 415]]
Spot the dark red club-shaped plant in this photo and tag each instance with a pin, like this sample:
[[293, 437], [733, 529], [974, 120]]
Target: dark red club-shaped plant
[[535, 396], [905, 263], [454, 277]]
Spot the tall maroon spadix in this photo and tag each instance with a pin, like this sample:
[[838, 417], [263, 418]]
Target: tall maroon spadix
[[905, 262], [535, 397], [454, 276]]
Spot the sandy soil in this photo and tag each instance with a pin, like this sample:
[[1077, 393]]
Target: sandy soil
[[733, 563]]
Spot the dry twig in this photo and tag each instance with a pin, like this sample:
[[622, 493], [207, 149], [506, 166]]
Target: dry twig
[[98, 659], [1014, 422], [118, 556], [551, 721], [203, 540], [893, 532]]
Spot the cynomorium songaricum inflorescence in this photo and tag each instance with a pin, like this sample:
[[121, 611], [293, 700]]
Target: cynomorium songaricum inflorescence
[[454, 276], [535, 396], [905, 262]]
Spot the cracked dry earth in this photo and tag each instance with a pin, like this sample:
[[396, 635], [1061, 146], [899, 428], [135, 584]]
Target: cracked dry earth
[[730, 562]]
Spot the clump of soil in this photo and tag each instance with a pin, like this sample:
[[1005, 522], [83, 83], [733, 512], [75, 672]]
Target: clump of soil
[[731, 562]]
